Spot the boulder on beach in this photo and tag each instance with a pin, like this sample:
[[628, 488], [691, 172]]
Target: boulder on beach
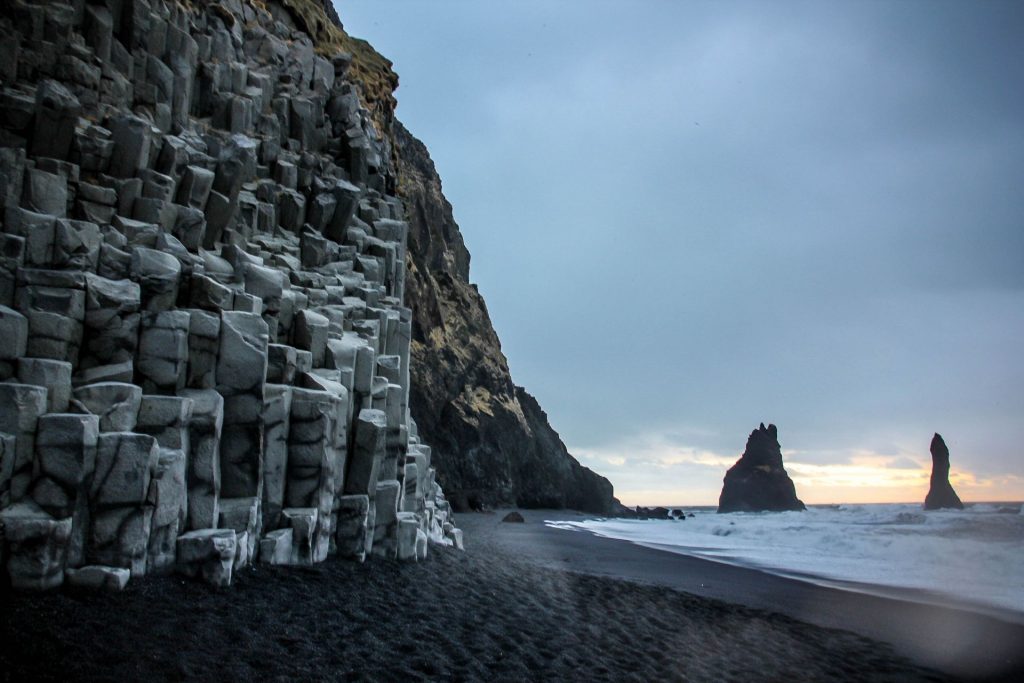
[[941, 493], [758, 481]]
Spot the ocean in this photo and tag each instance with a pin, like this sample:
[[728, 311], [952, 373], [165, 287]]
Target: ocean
[[972, 557]]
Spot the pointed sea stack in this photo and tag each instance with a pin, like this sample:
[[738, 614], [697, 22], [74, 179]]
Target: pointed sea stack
[[758, 481], [941, 493]]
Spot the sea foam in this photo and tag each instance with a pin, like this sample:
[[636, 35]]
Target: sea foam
[[973, 556]]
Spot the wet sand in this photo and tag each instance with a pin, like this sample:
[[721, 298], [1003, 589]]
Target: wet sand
[[523, 603]]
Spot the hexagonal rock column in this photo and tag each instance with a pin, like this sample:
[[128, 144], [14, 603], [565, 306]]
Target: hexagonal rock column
[[20, 408], [64, 464], [36, 547], [367, 452], [351, 533], [55, 375], [112, 320], [277, 405], [14, 332], [115, 403], [54, 304], [163, 352], [241, 372], [205, 431], [243, 516], [120, 506], [168, 494], [209, 554], [311, 475], [385, 530]]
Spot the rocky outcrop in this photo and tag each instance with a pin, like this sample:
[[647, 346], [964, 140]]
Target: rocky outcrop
[[206, 356], [941, 493], [492, 442], [758, 481]]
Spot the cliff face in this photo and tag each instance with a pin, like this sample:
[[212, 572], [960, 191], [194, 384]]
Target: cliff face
[[205, 357], [492, 441]]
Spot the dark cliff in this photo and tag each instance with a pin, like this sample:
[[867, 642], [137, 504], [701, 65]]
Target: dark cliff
[[492, 442]]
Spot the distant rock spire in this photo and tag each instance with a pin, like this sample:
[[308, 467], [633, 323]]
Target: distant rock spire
[[941, 493], [758, 481]]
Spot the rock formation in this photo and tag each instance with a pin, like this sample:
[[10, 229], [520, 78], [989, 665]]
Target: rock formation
[[492, 442], [206, 359], [941, 493], [758, 481]]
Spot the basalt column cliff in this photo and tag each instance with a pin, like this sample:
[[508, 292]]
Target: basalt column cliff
[[205, 355], [229, 282]]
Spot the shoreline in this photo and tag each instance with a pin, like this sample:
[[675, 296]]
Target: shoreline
[[920, 596], [513, 607], [949, 638]]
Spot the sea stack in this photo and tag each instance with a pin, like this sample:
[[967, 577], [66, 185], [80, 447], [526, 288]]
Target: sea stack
[[758, 482], [941, 493]]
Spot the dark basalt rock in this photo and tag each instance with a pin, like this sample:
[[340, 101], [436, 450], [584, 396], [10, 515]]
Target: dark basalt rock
[[941, 493], [758, 481], [492, 443], [513, 517]]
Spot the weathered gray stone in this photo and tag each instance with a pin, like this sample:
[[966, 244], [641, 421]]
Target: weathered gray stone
[[157, 274], [64, 463], [208, 554], [36, 547], [163, 352], [408, 526], [276, 420], [55, 315], [7, 456], [21, 405], [166, 419], [55, 375], [280, 364], [276, 547], [115, 403], [241, 373], [205, 432], [203, 345], [98, 578], [38, 232], [367, 453], [111, 325], [303, 524], [244, 517], [57, 111], [385, 530], [351, 532], [169, 497], [313, 465], [120, 505], [132, 138], [346, 197], [14, 332], [310, 334], [195, 186]]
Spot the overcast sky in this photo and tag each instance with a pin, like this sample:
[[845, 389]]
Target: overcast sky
[[688, 218]]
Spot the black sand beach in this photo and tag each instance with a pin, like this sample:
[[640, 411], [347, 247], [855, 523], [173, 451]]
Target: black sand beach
[[511, 608]]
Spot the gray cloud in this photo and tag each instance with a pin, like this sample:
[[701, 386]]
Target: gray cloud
[[691, 217]]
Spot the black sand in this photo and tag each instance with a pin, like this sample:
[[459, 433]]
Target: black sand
[[501, 611]]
